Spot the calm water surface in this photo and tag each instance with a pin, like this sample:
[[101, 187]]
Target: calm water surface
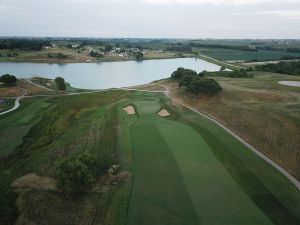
[[107, 74]]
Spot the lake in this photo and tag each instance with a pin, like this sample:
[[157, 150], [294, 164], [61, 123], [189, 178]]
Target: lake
[[107, 74]]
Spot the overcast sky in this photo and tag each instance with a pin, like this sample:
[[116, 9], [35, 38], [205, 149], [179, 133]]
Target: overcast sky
[[151, 18]]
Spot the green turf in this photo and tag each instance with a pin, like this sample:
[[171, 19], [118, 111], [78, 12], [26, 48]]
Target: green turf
[[42, 132], [15, 125], [183, 169], [190, 171]]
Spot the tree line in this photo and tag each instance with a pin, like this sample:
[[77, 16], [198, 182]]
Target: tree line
[[235, 47], [23, 44], [291, 68]]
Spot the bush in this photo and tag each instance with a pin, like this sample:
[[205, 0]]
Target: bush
[[204, 86], [186, 80], [57, 55], [139, 55], [75, 175], [8, 79], [181, 72], [96, 54], [60, 82]]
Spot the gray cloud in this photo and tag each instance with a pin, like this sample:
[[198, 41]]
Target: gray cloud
[[151, 18]]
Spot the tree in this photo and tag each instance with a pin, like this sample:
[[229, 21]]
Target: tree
[[60, 82], [108, 48], [204, 86], [76, 174], [203, 73], [95, 53], [139, 55], [222, 69], [180, 72], [186, 80], [8, 79]]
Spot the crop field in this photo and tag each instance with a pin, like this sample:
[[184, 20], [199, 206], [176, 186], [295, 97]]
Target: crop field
[[188, 170], [238, 55]]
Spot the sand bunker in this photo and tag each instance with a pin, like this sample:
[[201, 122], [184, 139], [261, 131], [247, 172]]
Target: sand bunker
[[290, 83], [129, 110], [32, 180], [163, 113]]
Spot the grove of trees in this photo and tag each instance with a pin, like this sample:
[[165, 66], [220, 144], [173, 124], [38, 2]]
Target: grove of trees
[[23, 44], [196, 83]]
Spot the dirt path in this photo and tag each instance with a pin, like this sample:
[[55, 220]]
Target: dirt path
[[290, 83], [40, 86]]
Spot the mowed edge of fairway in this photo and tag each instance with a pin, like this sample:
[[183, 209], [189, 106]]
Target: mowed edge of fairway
[[159, 195], [216, 196], [246, 211]]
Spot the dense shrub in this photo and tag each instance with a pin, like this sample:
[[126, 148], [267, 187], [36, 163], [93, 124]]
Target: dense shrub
[[242, 73], [76, 174], [60, 82], [180, 72], [8, 79], [138, 55], [291, 68], [97, 54], [195, 83], [204, 86], [186, 79]]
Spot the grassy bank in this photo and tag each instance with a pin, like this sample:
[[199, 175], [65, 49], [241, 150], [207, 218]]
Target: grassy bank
[[34, 139], [218, 62]]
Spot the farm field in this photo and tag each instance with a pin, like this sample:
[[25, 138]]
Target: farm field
[[187, 170], [238, 55]]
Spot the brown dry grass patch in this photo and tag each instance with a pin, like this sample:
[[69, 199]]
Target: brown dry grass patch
[[263, 118], [34, 181]]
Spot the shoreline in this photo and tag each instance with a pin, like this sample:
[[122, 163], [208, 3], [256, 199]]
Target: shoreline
[[71, 61]]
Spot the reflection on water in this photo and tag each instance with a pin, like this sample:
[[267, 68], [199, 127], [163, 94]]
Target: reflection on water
[[107, 74]]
